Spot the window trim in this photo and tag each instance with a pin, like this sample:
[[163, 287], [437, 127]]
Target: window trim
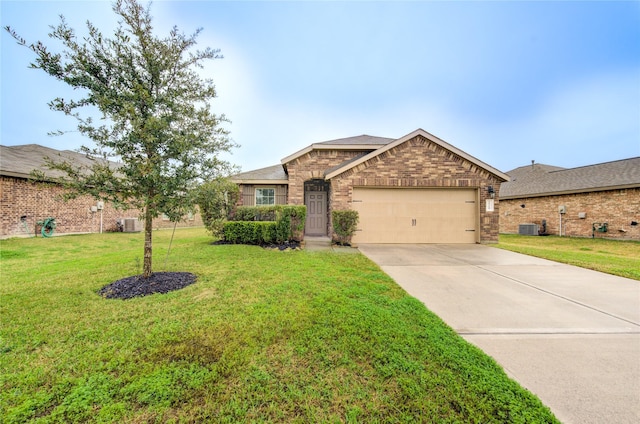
[[255, 197]]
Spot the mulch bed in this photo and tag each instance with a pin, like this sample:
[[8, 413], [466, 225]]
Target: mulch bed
[[158, 282], [282, 246]]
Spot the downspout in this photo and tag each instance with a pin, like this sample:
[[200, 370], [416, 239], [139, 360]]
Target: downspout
[[560, 224]]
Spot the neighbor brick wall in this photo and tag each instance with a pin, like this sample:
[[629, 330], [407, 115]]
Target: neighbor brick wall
[[421, 163], [19, 197], [618, 208]]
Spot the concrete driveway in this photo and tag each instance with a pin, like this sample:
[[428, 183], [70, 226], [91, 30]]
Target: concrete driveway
[[569, 335]]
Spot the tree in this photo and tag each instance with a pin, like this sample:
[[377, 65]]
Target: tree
[[155, 114]]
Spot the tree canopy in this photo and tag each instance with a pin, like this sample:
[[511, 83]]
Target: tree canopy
[[155, 108]]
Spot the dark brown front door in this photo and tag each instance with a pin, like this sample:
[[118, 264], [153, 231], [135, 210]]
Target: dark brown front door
[[316, 224]]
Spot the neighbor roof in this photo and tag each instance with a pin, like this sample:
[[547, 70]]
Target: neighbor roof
[[20, 161], [543, 180]]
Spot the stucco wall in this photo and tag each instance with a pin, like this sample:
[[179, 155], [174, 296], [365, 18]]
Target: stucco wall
[[37, 201], [618, 208], [421, 163]]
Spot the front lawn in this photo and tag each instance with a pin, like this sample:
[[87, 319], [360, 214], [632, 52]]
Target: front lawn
[[262, 336], [615, 257]]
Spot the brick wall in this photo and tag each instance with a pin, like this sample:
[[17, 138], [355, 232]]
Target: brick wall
[[618, 208], [311, 166], [20, 197], [421, 163]]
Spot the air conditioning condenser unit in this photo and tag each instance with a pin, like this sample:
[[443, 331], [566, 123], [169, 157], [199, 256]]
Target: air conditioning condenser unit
[[132, 225], [528, 229]]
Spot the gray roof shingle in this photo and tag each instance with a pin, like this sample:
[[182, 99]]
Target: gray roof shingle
[[542, 180], [20, 161], [360, 140], [275, 172]]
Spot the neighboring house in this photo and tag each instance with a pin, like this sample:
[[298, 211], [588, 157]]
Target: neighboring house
[[415, 189], [24, 202], [575, 202]]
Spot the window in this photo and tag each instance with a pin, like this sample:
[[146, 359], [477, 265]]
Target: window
[[265, 196]]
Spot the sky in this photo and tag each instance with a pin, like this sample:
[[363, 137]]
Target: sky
[[506, 82]]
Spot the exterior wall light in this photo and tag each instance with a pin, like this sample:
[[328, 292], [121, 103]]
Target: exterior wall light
[[492, 193]]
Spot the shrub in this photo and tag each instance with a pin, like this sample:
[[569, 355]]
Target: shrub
[[216, 200], [255, 213], [345, 223], [289, 220], [249, 232]]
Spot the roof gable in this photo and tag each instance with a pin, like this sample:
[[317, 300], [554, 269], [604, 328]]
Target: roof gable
[[410, 136], [542, 180], [360, 142]]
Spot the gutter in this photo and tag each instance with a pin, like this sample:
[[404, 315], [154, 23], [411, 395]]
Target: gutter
[[562, 192]]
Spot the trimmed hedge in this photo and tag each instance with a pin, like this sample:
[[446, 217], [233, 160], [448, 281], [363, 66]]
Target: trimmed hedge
[[249, 232], [265, 224], [255, 213]]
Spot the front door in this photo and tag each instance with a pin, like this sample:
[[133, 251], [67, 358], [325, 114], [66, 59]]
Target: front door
[[316, 224]]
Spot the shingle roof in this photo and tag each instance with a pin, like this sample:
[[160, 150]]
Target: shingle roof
[[360, 140], [542, 180], [367, 144], [275, 172], [20, 161]]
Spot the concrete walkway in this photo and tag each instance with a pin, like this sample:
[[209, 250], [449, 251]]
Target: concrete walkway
[[569, 335], [321, 244]]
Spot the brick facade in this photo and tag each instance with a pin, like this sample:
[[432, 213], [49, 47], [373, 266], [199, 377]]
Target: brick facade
[[20, 197], [415, 163], [421, 163], [618, 208], [311, 166]]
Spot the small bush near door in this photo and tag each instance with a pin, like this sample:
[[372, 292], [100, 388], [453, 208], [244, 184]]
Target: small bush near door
[[345, 223]]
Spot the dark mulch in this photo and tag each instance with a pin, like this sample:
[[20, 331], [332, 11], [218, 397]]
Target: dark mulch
[[159, 282], [281, 246]]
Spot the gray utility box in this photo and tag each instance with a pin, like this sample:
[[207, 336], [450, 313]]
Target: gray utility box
[[528, 229]]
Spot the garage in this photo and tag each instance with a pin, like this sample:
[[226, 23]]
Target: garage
[[407, 215]]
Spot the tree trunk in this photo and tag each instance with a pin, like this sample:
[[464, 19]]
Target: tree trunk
[[148, 233]]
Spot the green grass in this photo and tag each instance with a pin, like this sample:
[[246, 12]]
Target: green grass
[[611, 256], [263, 336]]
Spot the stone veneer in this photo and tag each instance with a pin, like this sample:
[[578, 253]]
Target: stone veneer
[[618, 208], [37, 201]]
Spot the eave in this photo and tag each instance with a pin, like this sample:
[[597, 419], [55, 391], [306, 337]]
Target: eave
[[261, 182], [563, 192]]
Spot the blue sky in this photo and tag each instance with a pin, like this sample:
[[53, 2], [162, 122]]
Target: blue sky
[[507, 82]]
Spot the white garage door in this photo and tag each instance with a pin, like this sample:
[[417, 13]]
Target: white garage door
[[396, 215]]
